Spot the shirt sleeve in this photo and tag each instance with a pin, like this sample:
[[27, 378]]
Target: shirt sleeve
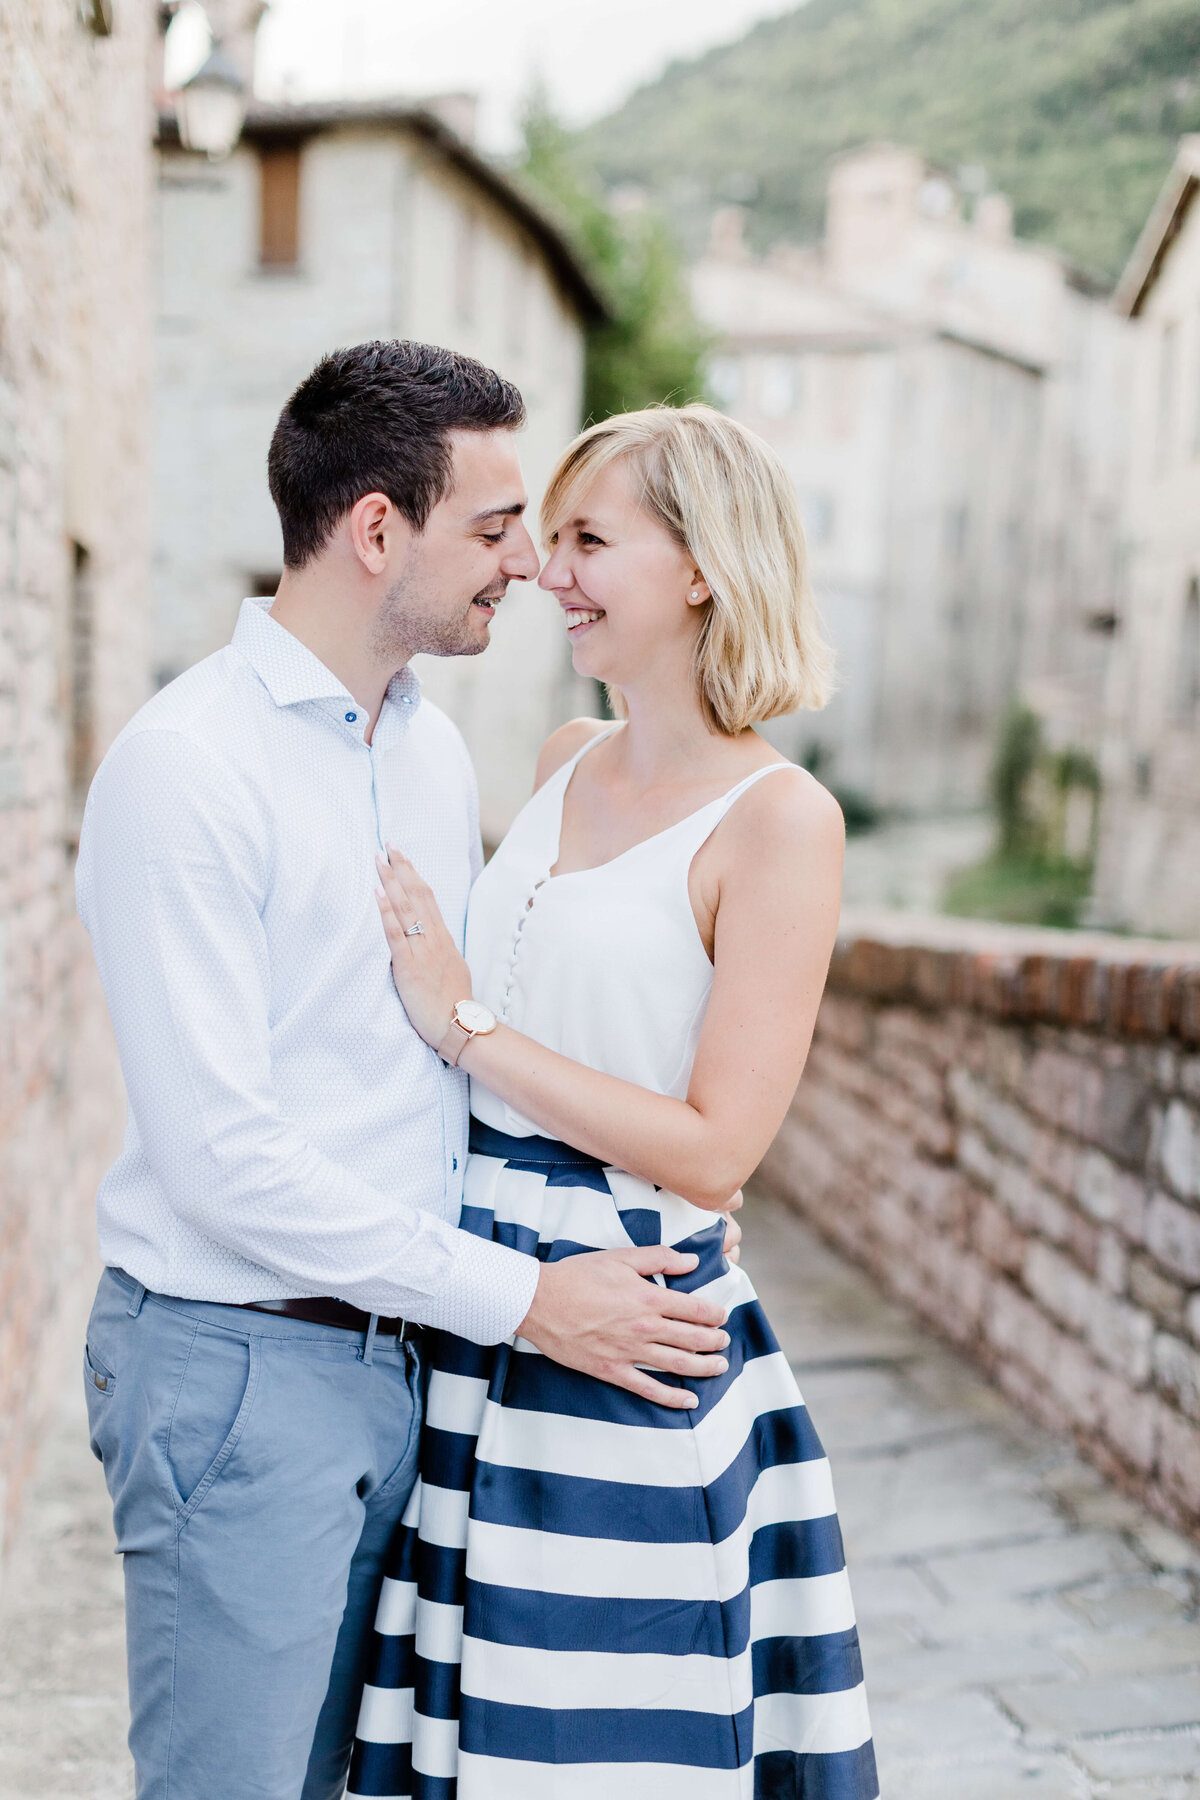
[[172, 881]]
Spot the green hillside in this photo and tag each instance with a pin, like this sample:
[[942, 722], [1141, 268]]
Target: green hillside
[[1072, 107]]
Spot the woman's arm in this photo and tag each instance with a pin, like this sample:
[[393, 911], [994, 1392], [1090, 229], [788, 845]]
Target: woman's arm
[[778, 874]]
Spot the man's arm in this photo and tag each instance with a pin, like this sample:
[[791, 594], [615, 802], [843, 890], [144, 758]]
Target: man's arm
[[172, 878], [172, 881]]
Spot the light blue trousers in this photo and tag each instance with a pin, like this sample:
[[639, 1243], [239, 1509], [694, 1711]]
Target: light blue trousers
[[257, 1467]]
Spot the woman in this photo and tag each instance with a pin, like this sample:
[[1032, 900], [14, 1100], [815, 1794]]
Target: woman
[[596, 1594]]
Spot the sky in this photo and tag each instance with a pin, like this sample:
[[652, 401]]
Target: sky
[[589, 53]]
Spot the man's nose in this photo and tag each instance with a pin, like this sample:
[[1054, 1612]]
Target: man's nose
[[521, 563]]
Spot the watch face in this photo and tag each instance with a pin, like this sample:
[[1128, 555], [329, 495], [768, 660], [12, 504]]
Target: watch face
[[474, 1016]]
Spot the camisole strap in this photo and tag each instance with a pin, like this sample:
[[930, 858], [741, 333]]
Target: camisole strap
[[735, 793], [680, 841], [565, 770]]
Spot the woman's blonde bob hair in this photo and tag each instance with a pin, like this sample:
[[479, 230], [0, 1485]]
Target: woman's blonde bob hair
[[727, 501]]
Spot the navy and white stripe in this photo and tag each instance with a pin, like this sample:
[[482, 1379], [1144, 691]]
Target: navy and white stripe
[[591, 1595]]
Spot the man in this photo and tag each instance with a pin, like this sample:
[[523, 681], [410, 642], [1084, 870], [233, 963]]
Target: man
[[281, 1221]]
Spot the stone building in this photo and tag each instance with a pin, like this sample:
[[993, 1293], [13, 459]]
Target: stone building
[[75, 163], [946, 399], [1148, 872], [331, 224]]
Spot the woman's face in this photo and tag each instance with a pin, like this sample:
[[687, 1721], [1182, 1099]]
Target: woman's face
[[624, 585]]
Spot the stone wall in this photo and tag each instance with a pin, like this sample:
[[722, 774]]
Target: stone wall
[[1004, 1126], [74, 355]]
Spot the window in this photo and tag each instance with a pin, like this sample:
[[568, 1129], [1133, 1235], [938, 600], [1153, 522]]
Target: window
[[1166, 393], [961, 386], [1012, 549], [81, 744], [279, 206], [725, 380], [520, 297], [1187, 693], [777, 387], [955, 527], [819, 516], [465, 255], [260, 582]]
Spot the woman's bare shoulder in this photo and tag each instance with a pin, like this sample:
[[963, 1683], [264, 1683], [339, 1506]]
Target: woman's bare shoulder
[[562, 745], [789, 815]]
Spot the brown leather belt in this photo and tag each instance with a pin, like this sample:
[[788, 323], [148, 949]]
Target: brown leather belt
[[321, 1311]]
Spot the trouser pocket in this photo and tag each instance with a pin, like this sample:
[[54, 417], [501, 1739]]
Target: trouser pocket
[[100, 1387], [212, 1407]]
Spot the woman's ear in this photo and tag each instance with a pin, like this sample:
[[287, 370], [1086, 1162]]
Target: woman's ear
[[699, 591]]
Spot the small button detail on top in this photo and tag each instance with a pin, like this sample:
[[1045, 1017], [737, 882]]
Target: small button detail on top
[[351, 718], [454, 1161]]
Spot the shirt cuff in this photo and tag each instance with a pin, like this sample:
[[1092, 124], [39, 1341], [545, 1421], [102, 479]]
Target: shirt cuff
[[488, 1292]]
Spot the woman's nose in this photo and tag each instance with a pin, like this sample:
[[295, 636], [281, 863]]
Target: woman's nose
[[555, 573]]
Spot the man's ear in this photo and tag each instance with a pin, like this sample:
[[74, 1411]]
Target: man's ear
[[374, 524]]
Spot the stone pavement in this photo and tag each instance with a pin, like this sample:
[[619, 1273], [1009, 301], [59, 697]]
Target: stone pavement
[[62, 1640], [906, 863], [1028, 1633]]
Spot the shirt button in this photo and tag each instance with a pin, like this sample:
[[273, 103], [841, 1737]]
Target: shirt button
[[454, 1160], [351, 718]]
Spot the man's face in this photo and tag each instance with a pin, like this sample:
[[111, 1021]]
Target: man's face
[[456, 572]]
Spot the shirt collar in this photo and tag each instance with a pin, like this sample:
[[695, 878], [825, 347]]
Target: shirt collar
[[291, 673]]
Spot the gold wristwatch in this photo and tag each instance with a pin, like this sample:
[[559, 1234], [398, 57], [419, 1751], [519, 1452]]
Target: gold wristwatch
[[471, 1019]]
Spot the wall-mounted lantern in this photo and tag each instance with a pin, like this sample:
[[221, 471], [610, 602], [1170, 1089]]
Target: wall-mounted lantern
[[211, 107]]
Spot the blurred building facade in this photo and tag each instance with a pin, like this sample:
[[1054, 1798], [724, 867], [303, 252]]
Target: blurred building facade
[[1148, 870], [331, 224], [948, 402], [75, 333]]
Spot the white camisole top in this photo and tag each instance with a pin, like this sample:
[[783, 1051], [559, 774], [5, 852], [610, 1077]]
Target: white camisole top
[[604, 965]]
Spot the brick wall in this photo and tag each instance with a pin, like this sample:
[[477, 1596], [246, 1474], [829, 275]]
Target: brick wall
[[1004, 1125], [74, 351]]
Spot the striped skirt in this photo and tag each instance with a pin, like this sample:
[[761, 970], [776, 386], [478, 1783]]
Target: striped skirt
[[595, 1598]]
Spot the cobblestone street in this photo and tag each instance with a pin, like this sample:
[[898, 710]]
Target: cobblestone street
[[1029, 1634], [906, 863]]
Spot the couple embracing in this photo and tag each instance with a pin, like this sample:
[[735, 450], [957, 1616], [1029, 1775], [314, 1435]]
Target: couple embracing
[[451, 1454]]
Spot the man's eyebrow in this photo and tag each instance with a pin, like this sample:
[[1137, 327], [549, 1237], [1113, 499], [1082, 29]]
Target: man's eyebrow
[[512, 511]]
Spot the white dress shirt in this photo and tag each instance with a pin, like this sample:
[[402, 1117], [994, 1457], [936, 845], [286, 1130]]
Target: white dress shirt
[[288, 1132]]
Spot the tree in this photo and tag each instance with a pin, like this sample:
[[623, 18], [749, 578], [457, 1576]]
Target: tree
[[651, 348]]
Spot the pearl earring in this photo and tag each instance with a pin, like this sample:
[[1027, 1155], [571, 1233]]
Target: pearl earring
[[695, 593]]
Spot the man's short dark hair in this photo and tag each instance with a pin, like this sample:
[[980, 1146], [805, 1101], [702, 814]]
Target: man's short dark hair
[[373, 419]]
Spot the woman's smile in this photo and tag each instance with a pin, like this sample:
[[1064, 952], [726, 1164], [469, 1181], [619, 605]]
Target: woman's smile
[[580, 618]]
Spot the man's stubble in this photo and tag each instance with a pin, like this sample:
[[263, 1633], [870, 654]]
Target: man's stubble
[[409, 622]]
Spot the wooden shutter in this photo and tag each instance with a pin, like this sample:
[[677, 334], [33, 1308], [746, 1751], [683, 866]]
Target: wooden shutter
[[279, 215]]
